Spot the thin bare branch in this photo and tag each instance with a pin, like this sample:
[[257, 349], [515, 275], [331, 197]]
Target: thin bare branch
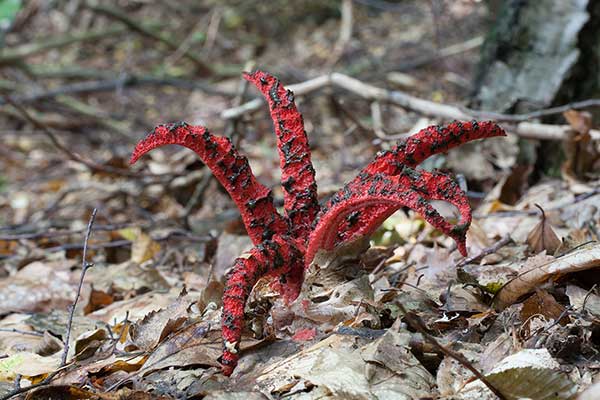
[[444, 111], [84, 267], [416, 323]]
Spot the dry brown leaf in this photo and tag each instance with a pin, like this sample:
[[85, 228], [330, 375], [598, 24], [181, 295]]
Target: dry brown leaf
[[579, 149], [542, 236], [196, 344], [451, 375], [39, 286], [529, 374], [125, 277], [543, 304], [338, 367], [226, 395], [584, 258], [515, 184], [27, 365], [157, 325], [143, 247], [67, 392], [102, 367], [137, 307], [584, 300], [17, 340], [97, 300], [75, 393]]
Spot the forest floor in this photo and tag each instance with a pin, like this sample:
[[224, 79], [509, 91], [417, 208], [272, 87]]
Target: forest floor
[[411, 318]]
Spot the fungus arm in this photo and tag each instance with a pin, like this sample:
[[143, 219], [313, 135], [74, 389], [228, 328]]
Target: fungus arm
[[232, 170]]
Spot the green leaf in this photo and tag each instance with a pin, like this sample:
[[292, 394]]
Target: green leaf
[[8, 12]]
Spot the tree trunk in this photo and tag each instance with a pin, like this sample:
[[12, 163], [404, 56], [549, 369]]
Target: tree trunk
[[539, 54]]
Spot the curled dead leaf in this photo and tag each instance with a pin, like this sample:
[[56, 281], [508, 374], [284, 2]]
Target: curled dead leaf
[[528, 374], [586, 257], [542, 236], [157, 325]]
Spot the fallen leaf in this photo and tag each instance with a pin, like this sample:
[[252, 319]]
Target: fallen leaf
[[591, 393], [27, 365], [584, 300], [157, 325], [530, 373], [542, 303], [542, 236], [196, 344], [39, 286], [584, 258], [143, 248]]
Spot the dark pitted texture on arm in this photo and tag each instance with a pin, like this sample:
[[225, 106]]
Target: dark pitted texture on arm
[[400, 161], [434, 139], [364, 203], [297, 174], [279, 258], [232, 170]]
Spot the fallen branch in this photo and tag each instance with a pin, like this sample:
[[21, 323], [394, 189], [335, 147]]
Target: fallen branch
[[115, 83], [345, 35], [446, 52], [21, 332], [124, 242], [486, 252], [17, 54], [444, 111], [120, 16], [61, 233], [93, 166], [415, 322]]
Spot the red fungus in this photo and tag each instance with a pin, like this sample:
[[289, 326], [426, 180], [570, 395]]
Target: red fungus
[[297, 173], [286, 245], [253, 199]]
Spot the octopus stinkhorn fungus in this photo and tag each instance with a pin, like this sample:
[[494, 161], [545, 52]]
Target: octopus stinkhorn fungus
[[285, 245]]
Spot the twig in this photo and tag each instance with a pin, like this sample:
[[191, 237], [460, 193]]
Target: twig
[[446, 52], [106, 85], [213, 29], [485, 252], [55, 234], [21, 332], [124, 242], [70, 155], [417, 324], [17, 54], [230, 128], [404, 7], [577, 105], [426, 107], [587, 295], [377, 120], [120, 16], [92, 113], [85, 266], [346, 24]]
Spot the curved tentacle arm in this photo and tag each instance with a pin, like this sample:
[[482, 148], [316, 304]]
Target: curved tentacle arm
[[363, 204], [431, 186], [297, 174], [232, 170], [429, 141], [279, 257]]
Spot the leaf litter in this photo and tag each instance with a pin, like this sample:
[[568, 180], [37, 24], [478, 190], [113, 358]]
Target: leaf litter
[[527, 312]]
